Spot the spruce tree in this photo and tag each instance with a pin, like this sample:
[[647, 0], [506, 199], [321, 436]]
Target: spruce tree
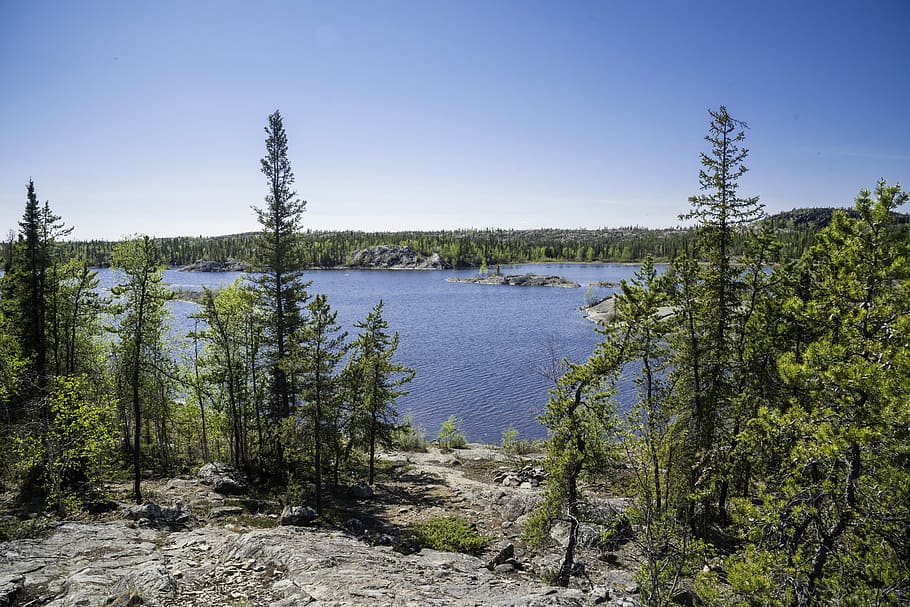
[[710, 298], [280, 287]]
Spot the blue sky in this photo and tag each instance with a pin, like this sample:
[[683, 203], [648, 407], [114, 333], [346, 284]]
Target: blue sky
[[147, 117]]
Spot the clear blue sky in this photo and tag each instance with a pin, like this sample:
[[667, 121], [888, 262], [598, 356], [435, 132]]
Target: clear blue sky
[[148, 116]]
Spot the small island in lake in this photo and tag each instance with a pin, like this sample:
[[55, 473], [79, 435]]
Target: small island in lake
[[395, 258], [520, 280], [205, 265]]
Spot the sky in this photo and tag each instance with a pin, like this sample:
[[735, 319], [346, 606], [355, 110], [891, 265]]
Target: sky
[[148, 117]]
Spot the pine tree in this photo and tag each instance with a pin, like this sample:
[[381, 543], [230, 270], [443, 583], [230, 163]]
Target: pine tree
[[279, 256], [711, 296], [318, 350], [379, 382]]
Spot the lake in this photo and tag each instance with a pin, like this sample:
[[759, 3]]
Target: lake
[[478, 350]]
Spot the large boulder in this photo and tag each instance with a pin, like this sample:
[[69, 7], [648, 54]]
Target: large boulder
[[151, 514], [223, 478], [298, 516]]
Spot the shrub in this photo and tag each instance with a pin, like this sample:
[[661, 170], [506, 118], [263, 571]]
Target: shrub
[[450, 435], [513, 444], [409, 436], [450, 533]]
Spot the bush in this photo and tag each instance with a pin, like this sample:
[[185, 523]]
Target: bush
[[513, 444], [450, 533], [410, 437], [450, 435]]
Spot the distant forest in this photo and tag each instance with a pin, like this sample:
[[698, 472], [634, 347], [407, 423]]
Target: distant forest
[[795, 230]]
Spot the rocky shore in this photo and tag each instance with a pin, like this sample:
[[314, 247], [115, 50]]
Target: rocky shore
[[519, 280], [214, 548], [395, 258], [205, 265]]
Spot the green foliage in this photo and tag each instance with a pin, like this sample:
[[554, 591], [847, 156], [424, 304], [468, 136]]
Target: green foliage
[[374, 382], [452, 534], [410, 437], [450, 435], [513, 444]]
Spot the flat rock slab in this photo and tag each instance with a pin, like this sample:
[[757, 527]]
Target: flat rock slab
[[89, 564]]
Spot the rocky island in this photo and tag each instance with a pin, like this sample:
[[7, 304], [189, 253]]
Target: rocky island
[[206, 265], [395, 258], [519, 280]]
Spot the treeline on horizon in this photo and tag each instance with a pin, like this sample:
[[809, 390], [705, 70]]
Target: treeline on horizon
[[469, 248]]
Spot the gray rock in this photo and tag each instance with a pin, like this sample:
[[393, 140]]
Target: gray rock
[[152, 515], [151, 581], [222, 478], [225, 511], [362, 491], [396, 258], [204, 265], [505, 553], [519, 280], [10, 587], [297, 516], [355, 526]]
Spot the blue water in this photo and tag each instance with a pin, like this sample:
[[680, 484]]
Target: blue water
[[478, 350]]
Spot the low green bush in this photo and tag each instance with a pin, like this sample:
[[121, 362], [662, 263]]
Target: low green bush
[[410, 437], [450, 533], [450, 435]]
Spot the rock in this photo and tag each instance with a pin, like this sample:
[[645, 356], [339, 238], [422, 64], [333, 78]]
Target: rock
[[298, 516], [504, 568], [152, 581], [519, 280], [222, 478], [127, 598], [685, 597], [395, 258], [505, 553], [204, 265], [151, 514], [10, 588], [355, 526], [224, 511], [362, 491]]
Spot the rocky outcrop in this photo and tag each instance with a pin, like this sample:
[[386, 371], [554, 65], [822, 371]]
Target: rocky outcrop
[[223, 478], [205, 265], [395, 258], [604, 311], [109, 563], [520, 280]]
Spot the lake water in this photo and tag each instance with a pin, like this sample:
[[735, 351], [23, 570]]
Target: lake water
[[478, 350]]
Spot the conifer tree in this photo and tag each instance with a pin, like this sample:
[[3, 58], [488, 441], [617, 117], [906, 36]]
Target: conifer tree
[[317, 351], [278, 255], [379, 382], [708, 310]]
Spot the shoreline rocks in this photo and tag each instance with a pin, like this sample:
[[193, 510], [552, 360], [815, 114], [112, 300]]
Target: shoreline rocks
[[395, 258], [519, 280], [205, 265]]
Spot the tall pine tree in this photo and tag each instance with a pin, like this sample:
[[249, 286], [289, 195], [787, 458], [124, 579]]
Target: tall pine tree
[[281, 288]]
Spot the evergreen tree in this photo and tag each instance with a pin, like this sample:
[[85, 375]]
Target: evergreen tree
[[317, 352], [27, 289], [711, 296], [279, 257], [829, 525], [379, 383]]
